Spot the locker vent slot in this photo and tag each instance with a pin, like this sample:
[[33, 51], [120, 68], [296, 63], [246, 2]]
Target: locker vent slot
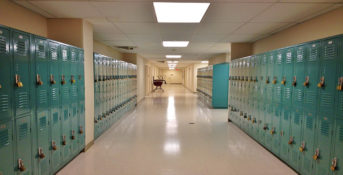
[[277, 93], [313, 56], [55, 118], [330, 51], [287, 94], [326, 100], [310, 97], [23, 130], [65, 92], [42, 122], [297, 119], [3, 45], [300, 55], [53, 52], [22, 101], [340, 103], [289, 57], [73, 56], [340, 133], [324, 130], [4, 139], [4, 103], [309, 122], [54, 94], [43, 97], [21, 48], [74, 91], [279, 59], [298, 95], [41, 51]]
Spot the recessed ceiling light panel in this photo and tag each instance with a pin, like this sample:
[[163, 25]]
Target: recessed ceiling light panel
[[183, 12], [175, 43], [204, 61], [173, 56]]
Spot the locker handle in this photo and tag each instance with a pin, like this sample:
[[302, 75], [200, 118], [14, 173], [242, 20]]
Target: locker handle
[[38, 80], [21, 165], [307, 81], [64, 141], [294, 83], [283, 82], [17, 81], [52, 79], [321, 83], [340, 84], [53, 145], [333, 164], [291, 140], [63, 81], [72, 80], [265, 127], [40, 153], [0, 86], [302, 147], [267, 80], [73, 135], [316, 154], [274, 80], [81, 130], [272, 131]]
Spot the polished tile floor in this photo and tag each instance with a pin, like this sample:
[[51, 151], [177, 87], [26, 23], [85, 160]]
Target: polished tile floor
[[158, 139]]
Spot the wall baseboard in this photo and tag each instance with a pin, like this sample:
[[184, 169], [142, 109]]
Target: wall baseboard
[[89, 145]]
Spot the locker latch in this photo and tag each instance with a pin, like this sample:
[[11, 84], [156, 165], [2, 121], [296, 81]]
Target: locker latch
[[21, 166], [73, 135], [81, 130], [40, 153], [294, 83], [274, 80], [340, 84], [72, 79], [17, 81], [283, 81], [0, 86], [290, 141], [53, 145], [265, 127], [63, 81], [307, 81], [333, 164], [64, 141], [272, 131], [253, 120], [316, 154], [249, 117], [39, 82], [322, 82], [267, 80], [52, 79], [302, 146]]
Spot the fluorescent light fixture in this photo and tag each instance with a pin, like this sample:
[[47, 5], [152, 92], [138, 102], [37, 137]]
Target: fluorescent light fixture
[[171, 65], [171, 68], [204, 61], [173, 56], [171, 62], [174, 12], [175, 43]]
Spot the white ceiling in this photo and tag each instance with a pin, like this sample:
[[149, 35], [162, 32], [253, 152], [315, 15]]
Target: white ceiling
[[133, 22]]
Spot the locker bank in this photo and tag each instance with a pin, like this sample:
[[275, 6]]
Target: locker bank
[[213, 87]]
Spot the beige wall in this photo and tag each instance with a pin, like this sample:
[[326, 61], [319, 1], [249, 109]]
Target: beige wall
[[191, 73], [66, 30], [150, 71], [106, 50], [15, 16], [325, 25], [221, 58], [173, 76], [239, 50]]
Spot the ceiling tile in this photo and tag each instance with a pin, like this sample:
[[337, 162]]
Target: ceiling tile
[[151, 38], [119, 43], [289, 12], [127, 11], [207, 38], [68, 9], [217, 28], [241, 38], [138, 28], [109, 37], [233, 12], [260, 28]]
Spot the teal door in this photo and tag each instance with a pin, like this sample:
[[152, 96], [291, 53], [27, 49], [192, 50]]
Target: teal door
[[23, 146], [295, 138], [338, 148], [42, 156], [276, 128], [6, 76], [288, 76], [311, 75], [323, 143], [21, 79], [74, 128], [81, 103], [6, 147], [285, 132]]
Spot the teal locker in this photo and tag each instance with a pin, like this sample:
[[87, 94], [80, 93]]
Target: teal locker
[[41, 66], [220, 86], [311, 75], [73, 111], [285, 132], [298, 79], [277, 76], [23, 154], [81, 103], [6, 76], [323, 144], [306, 145], [276, 128], [6, 147], [55, 114], [65, 102], [336, 165], [295, 138], [21, 71], [74, 129], [288, 75]]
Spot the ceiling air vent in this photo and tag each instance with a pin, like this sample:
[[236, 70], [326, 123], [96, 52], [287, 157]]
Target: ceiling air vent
[[126, 47]]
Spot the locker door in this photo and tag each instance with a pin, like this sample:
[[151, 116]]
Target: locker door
[[288, 76], [328, 70], [55, 114], [338, 147], [285, 132], [6, 76], [66, 134], [277, 76], [73, 111], [6, 148], [81, 104], [306, 146], [311, 75], [323, 143], [23, 146], [41, 154], [299, 78], [295, 138], [275, 130], [21, 79]]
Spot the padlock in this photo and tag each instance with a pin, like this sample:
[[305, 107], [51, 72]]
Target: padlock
[[267, 81], [321, 83], [294, 83], [64, 141], [63, 81], [52, 80], [274, 80], [283, 82], [73, 135], [272, 131], [53, 145], [72, 80], [307, 81], [340, 84], [81, 130], [302, 147], [290, 141], [40, 153], [333, 164], [265, 127], [0, 86], [316, 154], [39, 82], [18, 82], [21, 165]]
